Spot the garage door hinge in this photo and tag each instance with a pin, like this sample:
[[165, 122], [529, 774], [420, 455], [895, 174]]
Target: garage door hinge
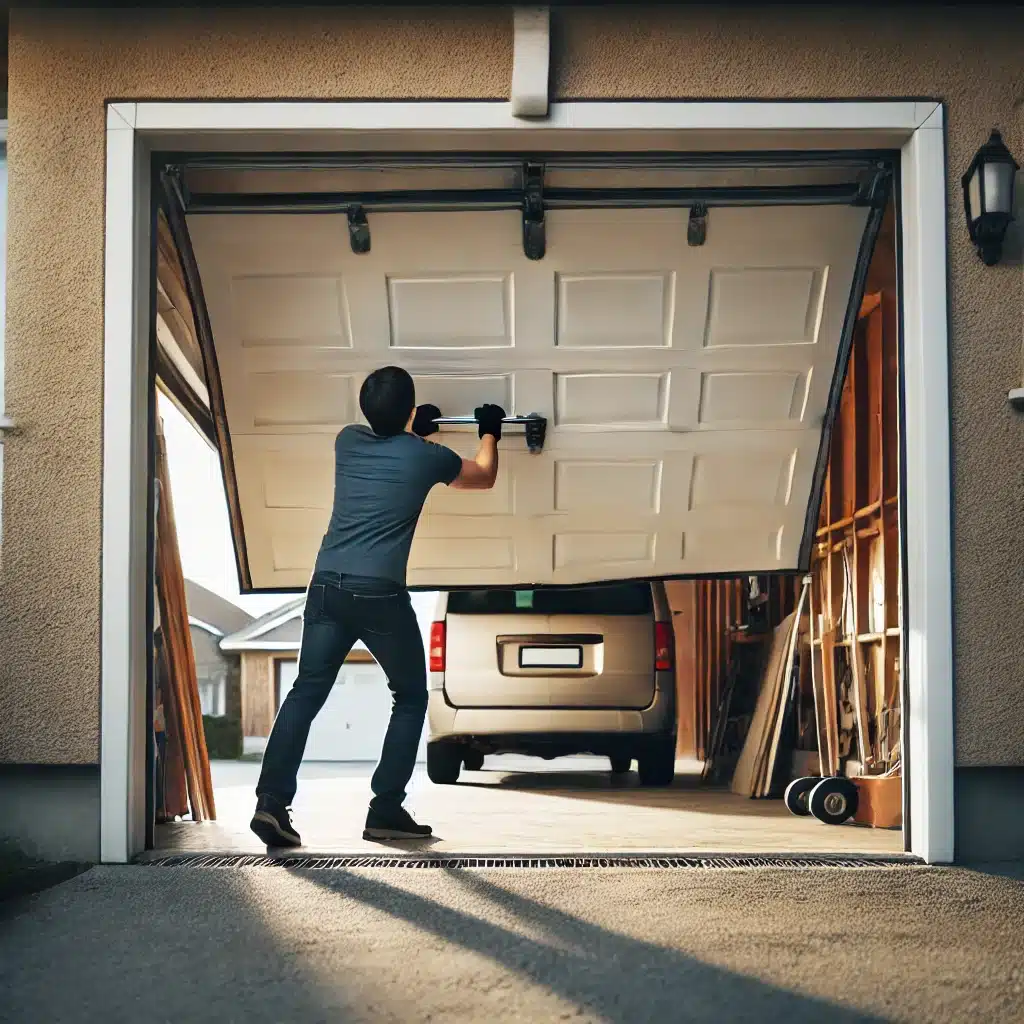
[[875, 186], [534, 244], [697, 225], [358, 229]]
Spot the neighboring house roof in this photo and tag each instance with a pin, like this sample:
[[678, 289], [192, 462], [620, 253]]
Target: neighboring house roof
[[209, 611], [282, 626]]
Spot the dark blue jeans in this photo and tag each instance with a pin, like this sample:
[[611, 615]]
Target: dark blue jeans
[[339, 611]]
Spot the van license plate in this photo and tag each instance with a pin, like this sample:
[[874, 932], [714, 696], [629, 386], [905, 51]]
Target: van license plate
[[551, 657]]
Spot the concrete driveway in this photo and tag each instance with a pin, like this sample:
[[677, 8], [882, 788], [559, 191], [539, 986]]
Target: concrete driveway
[[526, 805], [713, 946]]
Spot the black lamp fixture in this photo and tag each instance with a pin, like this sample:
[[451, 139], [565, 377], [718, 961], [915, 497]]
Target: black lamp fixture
[[988, 197]]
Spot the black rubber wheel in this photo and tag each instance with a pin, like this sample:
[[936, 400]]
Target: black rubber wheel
[[473, 760], [656, 765], [620, 764], [444, 762], [833, 801], [797, 794]]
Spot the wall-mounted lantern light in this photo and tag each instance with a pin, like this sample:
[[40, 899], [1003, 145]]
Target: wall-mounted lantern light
[[988, 197]]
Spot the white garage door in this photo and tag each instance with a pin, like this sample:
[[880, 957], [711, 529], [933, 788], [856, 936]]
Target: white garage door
[[686, 387], [351, 725]]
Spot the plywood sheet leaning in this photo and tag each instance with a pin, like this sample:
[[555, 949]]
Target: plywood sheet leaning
[[183, 688], [775, 735], [745, 778]]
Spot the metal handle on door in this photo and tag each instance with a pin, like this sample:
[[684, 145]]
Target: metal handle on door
[[535, 424]]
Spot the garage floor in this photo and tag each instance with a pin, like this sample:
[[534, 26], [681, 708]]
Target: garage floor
[[522, 805]]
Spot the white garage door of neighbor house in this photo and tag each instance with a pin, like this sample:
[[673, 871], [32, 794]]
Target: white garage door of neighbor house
[[352, 723], [685, 386]]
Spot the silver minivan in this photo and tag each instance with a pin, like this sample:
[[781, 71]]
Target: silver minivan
[[550, 672]]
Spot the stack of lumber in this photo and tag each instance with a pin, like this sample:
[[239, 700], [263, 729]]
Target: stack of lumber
[[718, 630], [172, 792], [755, 769], [181, 704]]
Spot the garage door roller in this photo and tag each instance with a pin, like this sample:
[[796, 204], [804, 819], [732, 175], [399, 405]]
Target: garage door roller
[[535, 424]]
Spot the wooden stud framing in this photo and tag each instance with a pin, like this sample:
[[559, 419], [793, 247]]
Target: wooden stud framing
[[855, 593], [858, 541]]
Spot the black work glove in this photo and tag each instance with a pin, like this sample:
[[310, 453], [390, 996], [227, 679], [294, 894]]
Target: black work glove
[[423, 422], [488, 418]]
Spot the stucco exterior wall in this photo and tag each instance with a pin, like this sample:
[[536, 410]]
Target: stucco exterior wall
[[63, 65]]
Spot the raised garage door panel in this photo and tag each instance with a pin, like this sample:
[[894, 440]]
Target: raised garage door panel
[[685, 387]]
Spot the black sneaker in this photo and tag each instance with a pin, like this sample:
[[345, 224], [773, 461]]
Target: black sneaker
[[273, 824], [394, 824]]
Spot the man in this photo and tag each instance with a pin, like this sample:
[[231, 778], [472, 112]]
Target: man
[[382, 475]]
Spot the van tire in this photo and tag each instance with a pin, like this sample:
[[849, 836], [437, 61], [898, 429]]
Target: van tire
[[656, 764], [473, 760], [444, 762]]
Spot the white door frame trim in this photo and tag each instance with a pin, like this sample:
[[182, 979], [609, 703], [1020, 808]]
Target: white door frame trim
[[133, 129], [124, 555]]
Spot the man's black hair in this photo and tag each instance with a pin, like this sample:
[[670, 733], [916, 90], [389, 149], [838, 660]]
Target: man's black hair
[[387, 398]]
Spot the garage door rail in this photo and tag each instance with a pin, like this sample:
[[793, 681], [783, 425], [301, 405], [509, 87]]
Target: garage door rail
[[721, 861]]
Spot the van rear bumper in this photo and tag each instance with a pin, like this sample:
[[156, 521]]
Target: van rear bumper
[[447, 722]]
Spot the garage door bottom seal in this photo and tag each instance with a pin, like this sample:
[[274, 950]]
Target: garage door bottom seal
[[460, 861]]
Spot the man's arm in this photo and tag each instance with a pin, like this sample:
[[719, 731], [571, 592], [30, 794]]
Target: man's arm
[[480, 473], [476, 474]]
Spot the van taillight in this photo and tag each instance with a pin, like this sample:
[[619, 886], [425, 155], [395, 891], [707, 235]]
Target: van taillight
[[437, 647], [662, 646]]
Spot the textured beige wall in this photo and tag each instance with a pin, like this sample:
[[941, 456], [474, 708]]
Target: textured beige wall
[[63, 66]]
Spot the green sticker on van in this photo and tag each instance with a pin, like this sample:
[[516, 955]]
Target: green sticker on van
[[524, 598]]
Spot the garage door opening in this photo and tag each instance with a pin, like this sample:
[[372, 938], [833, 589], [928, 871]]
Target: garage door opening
[[712, 342]]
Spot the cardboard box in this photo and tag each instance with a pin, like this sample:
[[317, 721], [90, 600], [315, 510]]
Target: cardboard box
[[880, 801]]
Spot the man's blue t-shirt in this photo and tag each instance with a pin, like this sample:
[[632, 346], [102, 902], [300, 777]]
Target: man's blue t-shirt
[[380, 485]]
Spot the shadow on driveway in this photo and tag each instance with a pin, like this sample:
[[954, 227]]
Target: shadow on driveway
[[607, 975], [254, 946]]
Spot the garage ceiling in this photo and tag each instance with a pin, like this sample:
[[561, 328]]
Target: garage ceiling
[[687, 387]]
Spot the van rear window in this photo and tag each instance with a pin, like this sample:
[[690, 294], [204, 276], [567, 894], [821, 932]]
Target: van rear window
[[593, 599]]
